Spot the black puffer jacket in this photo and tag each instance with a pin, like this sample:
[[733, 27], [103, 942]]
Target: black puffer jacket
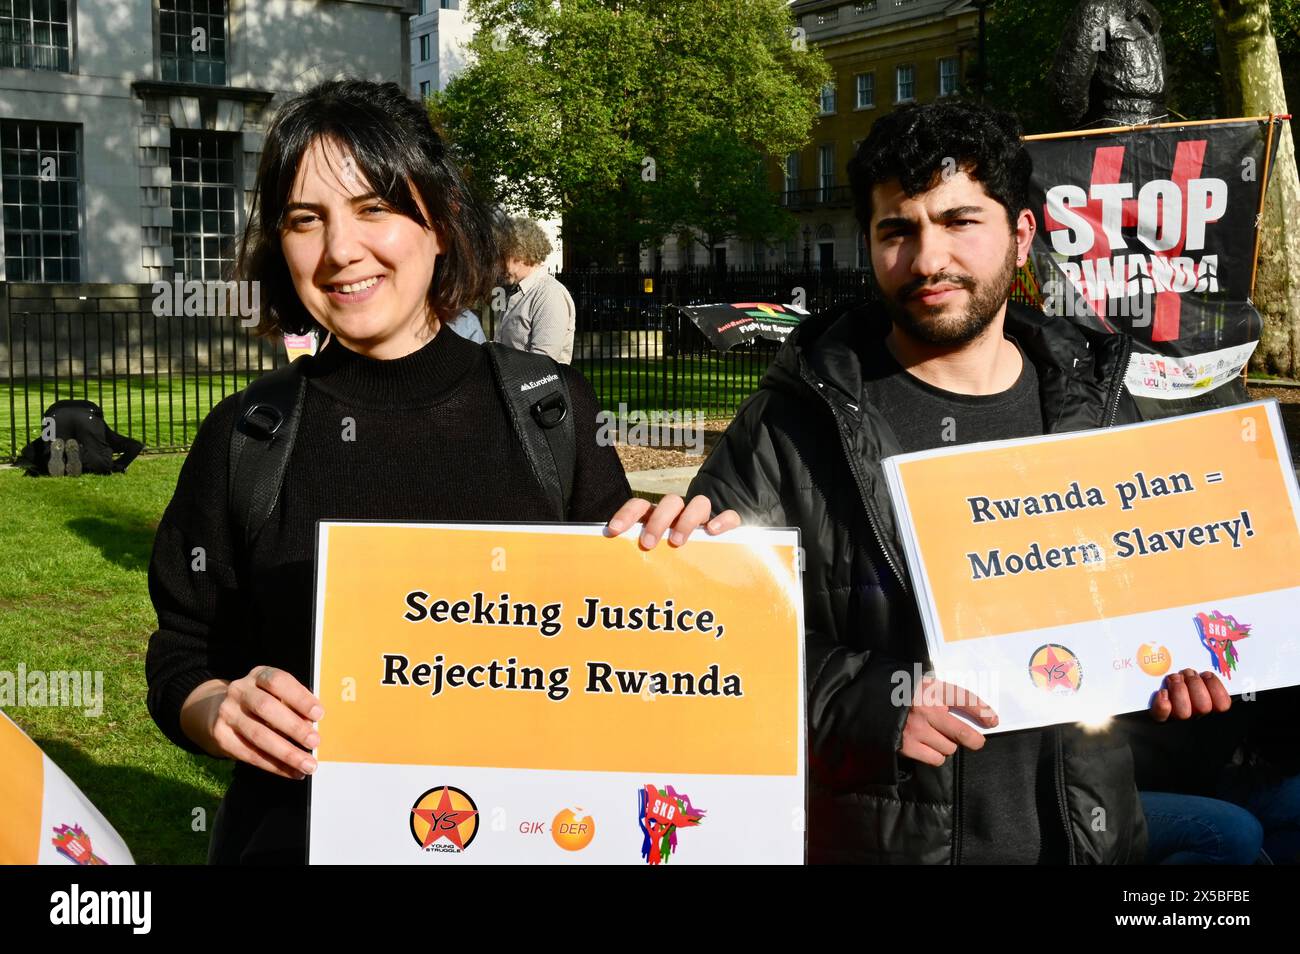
[[805, 451]]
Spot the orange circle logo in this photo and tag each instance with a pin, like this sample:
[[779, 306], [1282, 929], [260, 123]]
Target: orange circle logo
[[1154, 660], [573, 830], [1055, 669]]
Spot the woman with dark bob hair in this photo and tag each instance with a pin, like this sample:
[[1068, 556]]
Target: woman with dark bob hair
[[362, 228]]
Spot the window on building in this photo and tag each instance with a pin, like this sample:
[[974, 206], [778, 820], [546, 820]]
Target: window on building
[[449, 4], [425, 87], [828, 16], [192, 37], [828, 98], [866, 90], [947, 75], [826, 170], [861, 9], [39, 184], [424, 48], [203, 203], [904, 83], [34, 35], [791, 176]]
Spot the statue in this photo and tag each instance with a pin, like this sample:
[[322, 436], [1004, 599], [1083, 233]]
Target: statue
[[1110, 65]]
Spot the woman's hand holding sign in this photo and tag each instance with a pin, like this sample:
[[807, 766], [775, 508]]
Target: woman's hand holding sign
[[264, 719]]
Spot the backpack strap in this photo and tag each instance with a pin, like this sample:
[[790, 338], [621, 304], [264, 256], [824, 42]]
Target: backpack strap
[[537, 400], [260, 444]]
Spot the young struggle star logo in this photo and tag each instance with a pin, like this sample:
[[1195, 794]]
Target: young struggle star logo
[[444, 819], [1055, 669], [1219, 634], [661, 812]]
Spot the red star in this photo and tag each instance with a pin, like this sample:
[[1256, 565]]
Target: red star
[[1055, 670], [444, 821]]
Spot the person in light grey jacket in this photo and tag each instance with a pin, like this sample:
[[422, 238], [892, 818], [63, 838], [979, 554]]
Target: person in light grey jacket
[[539, 314], [466, 324]]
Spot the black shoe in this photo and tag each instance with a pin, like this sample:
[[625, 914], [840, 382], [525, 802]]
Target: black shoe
[[55, 466], [73, 450]]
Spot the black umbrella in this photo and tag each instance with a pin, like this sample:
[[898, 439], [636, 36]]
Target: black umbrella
[[727, 325]]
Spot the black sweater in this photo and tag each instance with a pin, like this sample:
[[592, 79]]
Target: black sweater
[[430, 440]]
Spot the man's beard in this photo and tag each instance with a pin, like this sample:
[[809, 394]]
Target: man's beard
[[985, 300]]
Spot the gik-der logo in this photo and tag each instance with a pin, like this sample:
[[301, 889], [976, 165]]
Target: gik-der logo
[[1152, 659], [573, 829], [444, 819], [1220, 635]]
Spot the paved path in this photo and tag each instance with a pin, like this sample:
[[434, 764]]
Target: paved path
[[654, 484]]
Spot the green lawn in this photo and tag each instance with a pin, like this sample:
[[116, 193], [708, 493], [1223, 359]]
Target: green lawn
[[161, 413], [74, 556], [708, 382]]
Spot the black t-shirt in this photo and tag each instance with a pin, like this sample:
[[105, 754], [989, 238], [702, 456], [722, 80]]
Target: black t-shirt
[[1008, 809]]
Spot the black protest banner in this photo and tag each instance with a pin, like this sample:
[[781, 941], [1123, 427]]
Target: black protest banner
[[727, 325], [1152, 231]]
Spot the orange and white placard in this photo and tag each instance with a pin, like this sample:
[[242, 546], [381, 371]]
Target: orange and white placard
[[545, 694], [1061, 577], [44, 817]]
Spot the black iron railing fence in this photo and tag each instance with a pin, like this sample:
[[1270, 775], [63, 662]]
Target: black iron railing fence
[[640, 353], [157, 376]]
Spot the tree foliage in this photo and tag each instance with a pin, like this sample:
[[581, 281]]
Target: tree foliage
[[633, 119]]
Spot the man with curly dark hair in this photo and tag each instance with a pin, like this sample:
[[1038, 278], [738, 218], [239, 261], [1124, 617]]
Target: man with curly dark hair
[[898, 772], [539, 313]]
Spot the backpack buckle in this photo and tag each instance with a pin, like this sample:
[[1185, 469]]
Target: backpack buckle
[[271, 421], [550, 410]]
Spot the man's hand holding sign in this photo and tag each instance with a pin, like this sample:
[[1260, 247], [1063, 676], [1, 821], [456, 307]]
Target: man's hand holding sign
[[932, 732]]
